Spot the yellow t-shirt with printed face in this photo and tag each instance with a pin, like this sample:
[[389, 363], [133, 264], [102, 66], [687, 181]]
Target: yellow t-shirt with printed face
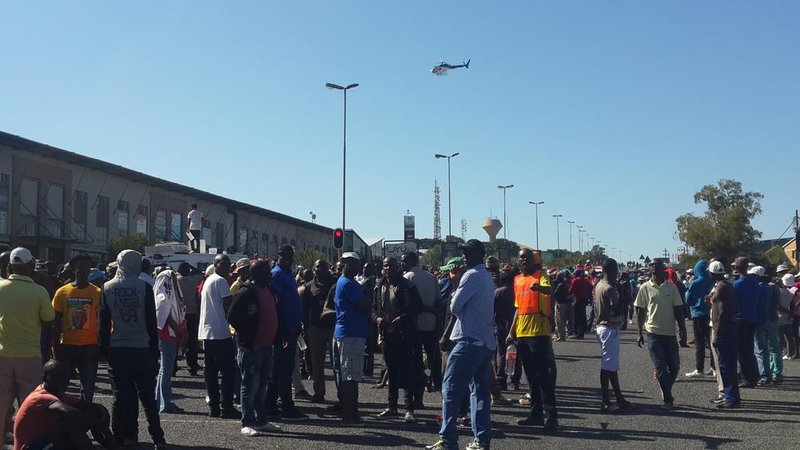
[[79, 310], [533, 307]]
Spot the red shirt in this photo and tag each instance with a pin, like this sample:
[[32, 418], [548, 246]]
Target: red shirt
[[34, 417], [580, 289], [267, 319]]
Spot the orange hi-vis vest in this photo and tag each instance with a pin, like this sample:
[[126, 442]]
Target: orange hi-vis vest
[[526, 299]]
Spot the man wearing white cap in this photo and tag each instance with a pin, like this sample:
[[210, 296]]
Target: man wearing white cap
[[350, 335], [788, 293], [25, 308]]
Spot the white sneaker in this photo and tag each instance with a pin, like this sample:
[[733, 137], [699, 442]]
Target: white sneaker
[[250, 431], [711, 373], [409, 417], [268, 427], [695, 374]]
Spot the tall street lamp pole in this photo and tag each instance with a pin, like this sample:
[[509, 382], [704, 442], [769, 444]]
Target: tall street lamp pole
[[536, 204], [505, 224], [580, 241], [570, 222], [558, 232], [449, 205], [344, 144]]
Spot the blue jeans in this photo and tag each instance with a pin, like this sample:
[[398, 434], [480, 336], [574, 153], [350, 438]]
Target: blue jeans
[[255, 366], [726, 356], [664, 353], [169, 350], [761, 344], [468, 366]]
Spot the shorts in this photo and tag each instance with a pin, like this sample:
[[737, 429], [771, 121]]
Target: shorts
[[609, 348], [351, 357]]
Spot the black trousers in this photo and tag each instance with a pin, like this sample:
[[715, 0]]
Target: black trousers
[[133, 371], [404, 363], [192, 344], [280, 385], [745, 350], [428, 342], [220, 360], [580, 318], [701, 334], [538, 360]]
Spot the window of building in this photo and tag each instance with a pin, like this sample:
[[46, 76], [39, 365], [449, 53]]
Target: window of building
[[54, 203], [5, 190], [263, 248], [219, 237], [160, 226], [122, 218], [141, 220], [29, 207], [103, 218], [243, 233], [80, 209], [176, 227]]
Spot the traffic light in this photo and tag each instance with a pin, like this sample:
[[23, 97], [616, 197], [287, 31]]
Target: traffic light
[[338, 238]]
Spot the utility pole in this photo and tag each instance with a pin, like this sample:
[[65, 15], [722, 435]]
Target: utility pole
[[796, 237]]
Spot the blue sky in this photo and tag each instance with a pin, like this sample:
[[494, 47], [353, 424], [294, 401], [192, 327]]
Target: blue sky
[[613, 113]]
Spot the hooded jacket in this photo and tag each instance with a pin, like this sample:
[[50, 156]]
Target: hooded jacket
[[699, 288], [128, 303]]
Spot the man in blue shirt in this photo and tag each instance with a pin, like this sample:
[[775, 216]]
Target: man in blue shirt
[[350, 335], [290, 315], [746, 289], [469, 365]]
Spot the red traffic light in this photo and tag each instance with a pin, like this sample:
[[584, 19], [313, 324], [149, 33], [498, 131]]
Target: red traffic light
[[338, 238]]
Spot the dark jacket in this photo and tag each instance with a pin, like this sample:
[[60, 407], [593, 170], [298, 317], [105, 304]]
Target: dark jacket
[[314, 294], [409, 304], [244, 314], [723, 311]]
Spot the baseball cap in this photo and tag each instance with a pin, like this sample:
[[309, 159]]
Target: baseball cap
[[20, 255], [351, 255], [756, 270], [474, 245], [241, 263], [788, 280], [452, 264], [716, 267], [286, 249], [782, 268]]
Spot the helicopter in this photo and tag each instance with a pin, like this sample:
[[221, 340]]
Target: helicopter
[[442, 68]]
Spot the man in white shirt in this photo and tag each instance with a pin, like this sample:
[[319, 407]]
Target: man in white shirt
[[195, 224], [214, 330]]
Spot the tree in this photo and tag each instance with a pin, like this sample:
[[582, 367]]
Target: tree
[[433, 257], [724, 231], [307, 258], [127, 242]]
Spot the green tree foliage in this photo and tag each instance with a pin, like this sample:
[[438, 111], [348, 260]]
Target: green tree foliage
[[433, 257], [127, 242], [724, 231], [307, 258]]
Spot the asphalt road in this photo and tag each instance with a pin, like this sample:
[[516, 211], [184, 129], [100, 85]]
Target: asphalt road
[[769, 417]]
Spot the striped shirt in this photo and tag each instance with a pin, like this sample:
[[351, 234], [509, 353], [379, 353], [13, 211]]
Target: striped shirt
[[473, 306]]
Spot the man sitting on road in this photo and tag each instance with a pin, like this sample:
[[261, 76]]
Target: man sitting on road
[[50, 418]]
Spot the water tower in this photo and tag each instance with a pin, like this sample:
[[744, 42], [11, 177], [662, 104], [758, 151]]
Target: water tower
[[492, 227]]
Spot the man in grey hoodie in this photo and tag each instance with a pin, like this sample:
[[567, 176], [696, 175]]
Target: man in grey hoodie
[[131, 349]]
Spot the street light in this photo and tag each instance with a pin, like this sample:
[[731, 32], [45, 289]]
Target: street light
[[580, 241], [505, 224], [536, 204], [570, 222], [344, 144], [313, 216], [558, 232], [449, 205]]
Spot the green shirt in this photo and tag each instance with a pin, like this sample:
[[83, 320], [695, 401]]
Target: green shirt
[[24, 305], [659, 301]]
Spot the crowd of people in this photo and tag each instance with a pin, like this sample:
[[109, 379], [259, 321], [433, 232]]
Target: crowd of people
[[469, 329]]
